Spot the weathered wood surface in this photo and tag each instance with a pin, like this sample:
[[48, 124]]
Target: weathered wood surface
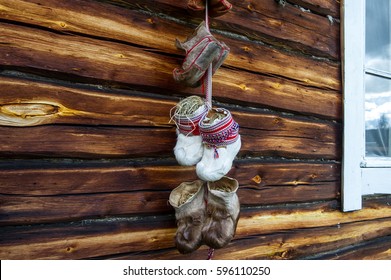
[[126, 190], [260, 20], [26, 102], [377, 249], [86, 162], [321, 35], [108, 142], [89, 105], [244, 55], [30, 103], [85, 142], [324, 7], [294, 244], [279, 233], [40, 178]]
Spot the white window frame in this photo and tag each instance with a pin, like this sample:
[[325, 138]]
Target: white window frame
[[359, 176]]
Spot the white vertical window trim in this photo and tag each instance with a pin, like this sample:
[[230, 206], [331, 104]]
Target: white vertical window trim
[[360, 175], [353, 55]]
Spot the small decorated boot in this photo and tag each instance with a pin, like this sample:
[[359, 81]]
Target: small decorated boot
[[189, 204], [222, 213], [220, 135], [201, 49], [188, 113], [216, 8]]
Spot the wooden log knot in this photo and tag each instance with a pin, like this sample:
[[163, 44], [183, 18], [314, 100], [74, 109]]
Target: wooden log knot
[[28, 114]]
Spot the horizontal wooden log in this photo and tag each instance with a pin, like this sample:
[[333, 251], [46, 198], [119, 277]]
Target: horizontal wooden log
[[46, 209], [94, 19], [51, 178], [85, 142], [239, 87], [51, 49], [126, 190], [262, 22], [115, 236], [324, 7], [101, 60], [266, 21], [109, 142], [53, 103], [377, 249], [54, 246], [29, 103], [295, 244]]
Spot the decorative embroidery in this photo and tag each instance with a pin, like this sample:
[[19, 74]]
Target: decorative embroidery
[[223, 133], [189, 124]]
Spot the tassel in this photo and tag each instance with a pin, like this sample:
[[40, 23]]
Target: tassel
[[216, 154]]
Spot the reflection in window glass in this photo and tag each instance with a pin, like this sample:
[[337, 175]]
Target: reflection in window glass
[[377, 116], [377, 36], [377, 79]]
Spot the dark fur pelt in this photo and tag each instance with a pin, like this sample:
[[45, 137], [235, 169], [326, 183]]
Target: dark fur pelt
[[222, 213], [220, 226], [189, 204], [188, 237]]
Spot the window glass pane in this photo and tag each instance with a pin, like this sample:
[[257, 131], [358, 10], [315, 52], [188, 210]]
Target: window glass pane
[[377, 116], [377, 35]]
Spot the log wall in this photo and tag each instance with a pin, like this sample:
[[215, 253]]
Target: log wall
[[86, 161]]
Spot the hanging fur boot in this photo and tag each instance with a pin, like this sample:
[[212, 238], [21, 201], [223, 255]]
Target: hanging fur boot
[[189, 204], [220, 135], [189, 149], [222, 213], [201, 49]]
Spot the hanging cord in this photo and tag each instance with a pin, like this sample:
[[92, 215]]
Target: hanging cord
[[207, 86], [211, 252], [208, 77]]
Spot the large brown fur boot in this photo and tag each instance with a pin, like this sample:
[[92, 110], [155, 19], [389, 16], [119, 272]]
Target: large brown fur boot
[[222, 212], [189, 204]]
